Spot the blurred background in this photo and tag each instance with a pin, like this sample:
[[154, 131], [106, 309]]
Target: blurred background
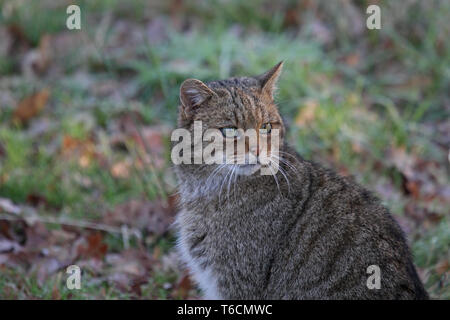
[[86, 116]]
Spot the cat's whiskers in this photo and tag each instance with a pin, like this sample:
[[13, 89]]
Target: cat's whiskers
[[284, 153], [234, 186], [287, 163], [224, 182], [283, 173], [233, 170], [214, 173], [235, 159]]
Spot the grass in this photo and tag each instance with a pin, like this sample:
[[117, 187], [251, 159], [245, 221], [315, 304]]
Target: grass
[[380, 92]]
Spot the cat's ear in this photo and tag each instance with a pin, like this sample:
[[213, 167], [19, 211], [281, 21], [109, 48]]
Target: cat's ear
[[268, 80], [193, 93]]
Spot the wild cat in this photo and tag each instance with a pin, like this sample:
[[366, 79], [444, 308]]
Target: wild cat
[[301, 233]]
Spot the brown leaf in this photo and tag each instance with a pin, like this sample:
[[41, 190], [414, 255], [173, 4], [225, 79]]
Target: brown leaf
[[133, 262], [422, 215], [153, 216], [352, 59], [37, 61], [443, 267], [31, 106], [307, 113], [402, 161], [45, 51], [183, 287], [121, 169], [45, 267], [2, 150], [37, 200], [56, 295], [5, 229], [153, 137], [413, 188], [18, 38], [291, 17], [62, 236], [81, 149], [69, 143], [130, 269], [37, 236], [422, 179], [157, 253]]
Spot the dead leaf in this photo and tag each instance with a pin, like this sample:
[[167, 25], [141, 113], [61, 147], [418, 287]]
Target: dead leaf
[[45, 267], [291, 17], [157, 253], [422, 216], [2, 150], [352, 60], [69, 143], [413, 188], [61, 236], [56, 295], [37, 200], [153, 216], [8, 206], [443, 267], [357, 147], [121, 169], [307, 113], [130, 262], [130, 269], [170, 262], [81, 149], [182, 288], [154, 138], [36, 236], [31, 106], [19, 41], [37, 61], [5, 229]]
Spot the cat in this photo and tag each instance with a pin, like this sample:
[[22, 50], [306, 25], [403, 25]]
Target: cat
[[301, 233]]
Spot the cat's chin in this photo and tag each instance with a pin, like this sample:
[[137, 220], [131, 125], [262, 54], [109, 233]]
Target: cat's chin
[[248, 169]]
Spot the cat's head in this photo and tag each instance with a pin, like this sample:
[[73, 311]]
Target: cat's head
[[242, 110]]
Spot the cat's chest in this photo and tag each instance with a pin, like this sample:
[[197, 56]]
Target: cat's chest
[[215, 242]]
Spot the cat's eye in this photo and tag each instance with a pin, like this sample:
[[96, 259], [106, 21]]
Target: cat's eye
[[266, 128], [230, 132]]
